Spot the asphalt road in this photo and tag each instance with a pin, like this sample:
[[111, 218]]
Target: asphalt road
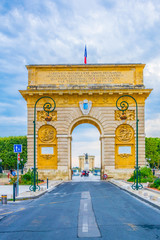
[[83, 210]]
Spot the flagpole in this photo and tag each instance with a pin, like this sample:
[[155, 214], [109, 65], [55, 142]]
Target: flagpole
[[85, 55]]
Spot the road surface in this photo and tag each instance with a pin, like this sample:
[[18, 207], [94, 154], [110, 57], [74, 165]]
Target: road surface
[[83, 210]]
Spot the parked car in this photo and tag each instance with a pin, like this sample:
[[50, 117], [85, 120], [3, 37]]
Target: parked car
[[85, 173], [75, 173]]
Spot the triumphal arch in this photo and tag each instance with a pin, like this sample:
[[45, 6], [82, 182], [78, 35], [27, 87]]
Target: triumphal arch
[[85, 94]]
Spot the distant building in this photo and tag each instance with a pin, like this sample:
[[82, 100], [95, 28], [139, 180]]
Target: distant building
[[86, 164]]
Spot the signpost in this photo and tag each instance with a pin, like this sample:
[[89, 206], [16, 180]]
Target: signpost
[[18, 150]]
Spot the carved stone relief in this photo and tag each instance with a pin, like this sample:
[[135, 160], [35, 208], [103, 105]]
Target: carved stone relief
[[129, 113], [124, 133], [124, 155], [47, 133], [41, 115], [46, 156], [105, 99]]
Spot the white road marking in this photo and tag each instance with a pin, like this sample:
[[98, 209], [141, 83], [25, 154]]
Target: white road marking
[[87, 226], [85, 206]]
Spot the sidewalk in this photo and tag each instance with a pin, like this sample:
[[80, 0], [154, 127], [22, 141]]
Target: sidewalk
[[25, 193], [146, 194]]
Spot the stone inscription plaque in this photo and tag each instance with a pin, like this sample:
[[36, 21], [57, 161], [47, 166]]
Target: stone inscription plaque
[[83, 77]]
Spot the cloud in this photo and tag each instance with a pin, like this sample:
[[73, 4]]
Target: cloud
[[153, 127], [13, 120], [55, 32]]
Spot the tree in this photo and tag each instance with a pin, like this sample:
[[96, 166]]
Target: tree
[[152, 150], [9, 158]]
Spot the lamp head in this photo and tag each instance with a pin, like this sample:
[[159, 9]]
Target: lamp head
[[48, 118], [123, 117]]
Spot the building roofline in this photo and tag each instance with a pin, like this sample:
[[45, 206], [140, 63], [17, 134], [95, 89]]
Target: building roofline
[[85, 65]]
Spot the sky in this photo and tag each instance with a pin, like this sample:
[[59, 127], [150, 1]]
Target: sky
[[85, 139], [56, 31]]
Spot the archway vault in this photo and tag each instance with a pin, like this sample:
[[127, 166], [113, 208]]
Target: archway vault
[[86, 119]]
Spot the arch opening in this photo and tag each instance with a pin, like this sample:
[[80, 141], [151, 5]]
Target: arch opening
[[85, 151]]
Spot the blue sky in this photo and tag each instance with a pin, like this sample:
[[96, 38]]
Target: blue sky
[[85, 139], [55, 32]]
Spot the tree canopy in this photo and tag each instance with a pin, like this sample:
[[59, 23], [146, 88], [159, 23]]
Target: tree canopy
[[9, 158], [152, 151]]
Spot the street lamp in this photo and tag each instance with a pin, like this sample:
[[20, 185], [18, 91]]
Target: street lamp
[[123, 106], [22, 166], [47, 107], [1, 170]]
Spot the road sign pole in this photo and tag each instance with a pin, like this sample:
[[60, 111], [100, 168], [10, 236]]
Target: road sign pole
[[18, 159]]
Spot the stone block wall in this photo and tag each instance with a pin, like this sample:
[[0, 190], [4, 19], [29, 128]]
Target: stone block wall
[[105, 118]]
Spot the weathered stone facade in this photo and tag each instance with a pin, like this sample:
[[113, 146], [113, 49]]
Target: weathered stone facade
[[98, 86]]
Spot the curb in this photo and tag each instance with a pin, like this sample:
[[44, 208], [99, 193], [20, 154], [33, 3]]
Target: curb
[[140, 198], [39, 195]]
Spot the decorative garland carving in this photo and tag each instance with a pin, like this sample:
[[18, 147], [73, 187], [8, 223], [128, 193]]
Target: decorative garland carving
[[129, 113], [124, 155], [41, 115], [105, 99], [47, 156], [47, 133], [124, 133]]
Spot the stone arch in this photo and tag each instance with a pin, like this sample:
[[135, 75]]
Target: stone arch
[[97, 124], [47, 147], [86, 119], [124, 146]]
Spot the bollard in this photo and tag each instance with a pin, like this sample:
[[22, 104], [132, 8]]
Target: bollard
[[4, 199], [14, 192], [47, 182], [16, 189]]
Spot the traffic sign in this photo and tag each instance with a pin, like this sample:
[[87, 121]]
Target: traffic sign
[[18, 157], [17, 148], [105, 176]]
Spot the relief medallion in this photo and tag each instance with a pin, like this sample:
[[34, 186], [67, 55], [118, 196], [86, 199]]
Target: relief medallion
[[124, 133], [47, 133]]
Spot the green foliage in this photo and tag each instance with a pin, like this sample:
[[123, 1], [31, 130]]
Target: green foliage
[[146, 175], [23, 179], [152, 150], [156, 184], [146, 172], [76, 168], [13, 179], [26, 177], [9, 158]]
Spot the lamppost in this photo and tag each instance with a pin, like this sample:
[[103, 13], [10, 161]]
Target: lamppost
[[47, 107], [1, 170], [22, 166], [123, 106]]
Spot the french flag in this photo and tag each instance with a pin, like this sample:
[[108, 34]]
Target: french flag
[[85, 55]]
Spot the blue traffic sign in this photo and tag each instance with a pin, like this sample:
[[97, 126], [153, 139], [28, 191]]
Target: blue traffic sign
[[17, 148]]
